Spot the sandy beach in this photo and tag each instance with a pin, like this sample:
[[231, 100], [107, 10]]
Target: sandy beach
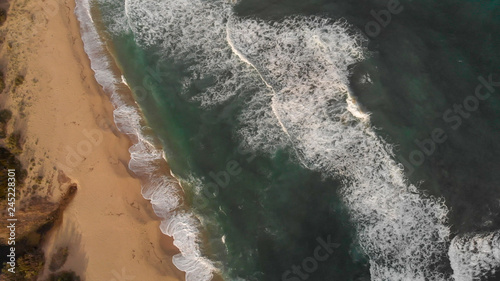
[[68, 136]]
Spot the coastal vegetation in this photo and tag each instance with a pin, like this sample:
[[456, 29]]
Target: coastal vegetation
[[38, 211], [29, 266], [14, 143], [31, 258], [2, 82], [9, 161], [5, 116], [3, 16], [38, 218], [19, 80]]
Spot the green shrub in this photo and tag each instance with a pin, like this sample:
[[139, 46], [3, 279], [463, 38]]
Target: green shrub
[[14, 143], [2, 82], [9, 161], [5, 116], [19, 80], [29, 266], [3, 16]]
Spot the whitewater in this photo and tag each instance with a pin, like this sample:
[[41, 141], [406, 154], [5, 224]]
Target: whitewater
[[296, 73]]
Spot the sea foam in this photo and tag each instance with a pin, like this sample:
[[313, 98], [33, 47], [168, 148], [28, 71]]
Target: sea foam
[[295, 73], [402, 231], [162, 190], [473, 256], [299, 68]]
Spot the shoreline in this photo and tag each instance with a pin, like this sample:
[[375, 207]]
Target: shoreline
[[147, 157], [109, 229]]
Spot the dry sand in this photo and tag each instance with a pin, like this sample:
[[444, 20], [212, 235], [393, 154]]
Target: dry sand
[[69, 136]]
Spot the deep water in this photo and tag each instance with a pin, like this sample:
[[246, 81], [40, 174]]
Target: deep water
[[264, 199]]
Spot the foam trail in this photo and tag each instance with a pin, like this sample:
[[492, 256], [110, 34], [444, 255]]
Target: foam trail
[[473, 256], [162, 190]]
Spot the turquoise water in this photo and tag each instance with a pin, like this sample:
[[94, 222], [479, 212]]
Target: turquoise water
[[262, 111]]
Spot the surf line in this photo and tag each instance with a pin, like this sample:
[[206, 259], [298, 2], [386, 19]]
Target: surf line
[[244, 59]]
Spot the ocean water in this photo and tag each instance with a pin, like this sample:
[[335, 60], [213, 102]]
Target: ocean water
[[311, 140]]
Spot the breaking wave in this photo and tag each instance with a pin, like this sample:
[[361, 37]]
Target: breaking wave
[[295, 73], [403, 232], [146, 160]]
